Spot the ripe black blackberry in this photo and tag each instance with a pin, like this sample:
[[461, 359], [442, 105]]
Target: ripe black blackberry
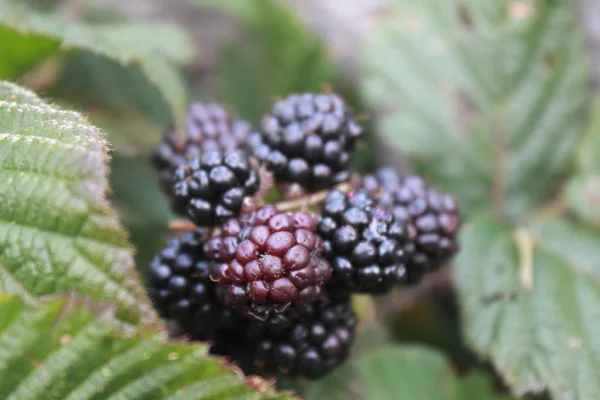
[[211, 188], [308, 139], [311, 345], [433, 218], [181, 289], [366, 246], [209, 127], [267, 261]]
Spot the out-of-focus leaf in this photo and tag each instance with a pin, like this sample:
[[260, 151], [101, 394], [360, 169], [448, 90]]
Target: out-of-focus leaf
[[277, 56], [583, 195], [410, 372], [27, 38], [69, 350], [487, 97], [530, 301], [143, 207], [58, 232], [117, 99], [583, 189], [243, 10], [344, 382]]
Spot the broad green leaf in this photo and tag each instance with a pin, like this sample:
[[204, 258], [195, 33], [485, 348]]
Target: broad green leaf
[[30, 37], [410, 372], [71, 350], [58, 232], [487, 97], [530, 301], [277, 56]]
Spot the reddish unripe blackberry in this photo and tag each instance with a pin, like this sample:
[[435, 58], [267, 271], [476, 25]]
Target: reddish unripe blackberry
[[267, 261], [307, 139], [181, 289], [311, 345], [366, 246], [211, 188], [433, 218], [209, 127]]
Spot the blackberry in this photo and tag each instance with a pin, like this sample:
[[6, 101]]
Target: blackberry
[[211, 188], [311, 345], [267, 261], [366, 246], [433, 218], [181, 289], [209, 127], [307, 139]]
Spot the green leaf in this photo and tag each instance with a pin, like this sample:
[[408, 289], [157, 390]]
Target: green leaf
[[263, 65], [407, 372], [75, 351], [583, 195], [530, 301], [345, 382], [153, 48], [143, 206], [583, 189], [58, 232], [487, 97], [244, 10]]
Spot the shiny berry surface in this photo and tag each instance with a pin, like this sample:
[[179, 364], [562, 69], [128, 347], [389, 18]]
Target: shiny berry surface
[[267, 260]]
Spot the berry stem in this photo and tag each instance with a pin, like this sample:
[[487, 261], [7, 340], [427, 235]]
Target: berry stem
[[185, 225], [310, 200]]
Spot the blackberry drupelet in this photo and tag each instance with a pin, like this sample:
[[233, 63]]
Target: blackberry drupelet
[[211, 188], [308, 139], [209, 127], [267, 261], [311, 345], [366, 246], [181, 289], [433, 218]]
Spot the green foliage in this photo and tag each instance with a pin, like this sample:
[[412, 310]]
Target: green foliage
[[277, 57], [529, 299], [69, 349], [419, 373], [58, 232], [487, 97], [583, 189], [154, 49]]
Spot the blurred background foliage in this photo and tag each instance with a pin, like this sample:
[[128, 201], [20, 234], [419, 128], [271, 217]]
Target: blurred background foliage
[[489, 99]]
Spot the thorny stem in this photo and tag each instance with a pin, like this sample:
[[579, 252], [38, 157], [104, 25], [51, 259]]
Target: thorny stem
[[185, 225]]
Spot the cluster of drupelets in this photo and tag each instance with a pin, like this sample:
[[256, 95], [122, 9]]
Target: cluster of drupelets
[[270, 284]]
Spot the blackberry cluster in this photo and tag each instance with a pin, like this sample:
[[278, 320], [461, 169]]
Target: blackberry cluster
[[181, 289], [308, 139], [271, 289], [209, 127], [432, 217], [368, 248], [211, 188], [268, 260]]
